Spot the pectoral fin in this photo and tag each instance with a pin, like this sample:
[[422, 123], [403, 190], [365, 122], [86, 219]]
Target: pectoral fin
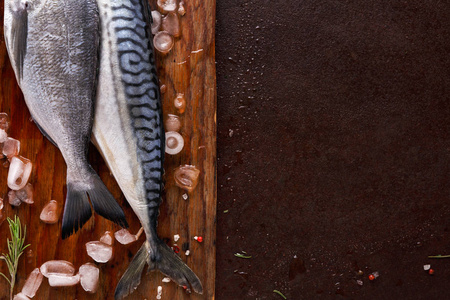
[[19, 31]]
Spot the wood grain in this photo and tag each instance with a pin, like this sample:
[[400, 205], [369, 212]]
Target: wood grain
[[190, 69]]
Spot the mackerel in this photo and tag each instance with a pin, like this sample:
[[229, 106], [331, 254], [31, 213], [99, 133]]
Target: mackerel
[[128, 131]]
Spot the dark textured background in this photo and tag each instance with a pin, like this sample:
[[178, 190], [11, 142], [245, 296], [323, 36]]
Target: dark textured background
[[334, 148]]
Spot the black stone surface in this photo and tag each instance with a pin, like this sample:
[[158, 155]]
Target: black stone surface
[[334, 148]]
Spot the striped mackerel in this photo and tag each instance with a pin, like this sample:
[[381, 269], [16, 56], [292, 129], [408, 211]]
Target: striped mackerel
[[128, 131]]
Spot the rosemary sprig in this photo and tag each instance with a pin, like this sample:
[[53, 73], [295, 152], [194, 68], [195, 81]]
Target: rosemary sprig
[[15, 248]]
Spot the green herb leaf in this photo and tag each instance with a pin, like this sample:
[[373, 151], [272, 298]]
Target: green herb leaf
[[16, 249], [279, 293], [439, 256], [240, 255]]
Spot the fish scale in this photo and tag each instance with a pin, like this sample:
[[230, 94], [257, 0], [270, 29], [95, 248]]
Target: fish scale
[[128, 131], [53, 47], [145, 95]]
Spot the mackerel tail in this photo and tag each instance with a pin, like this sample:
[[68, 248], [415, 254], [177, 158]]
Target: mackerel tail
[[128, 132]]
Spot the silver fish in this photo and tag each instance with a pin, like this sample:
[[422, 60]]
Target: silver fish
[[53, 47], [129, 133]]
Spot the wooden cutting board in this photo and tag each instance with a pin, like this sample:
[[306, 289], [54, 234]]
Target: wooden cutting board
[[189, 69]]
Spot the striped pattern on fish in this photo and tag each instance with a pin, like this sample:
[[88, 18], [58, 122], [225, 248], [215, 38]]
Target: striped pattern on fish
[[137, 66], [129, 133]]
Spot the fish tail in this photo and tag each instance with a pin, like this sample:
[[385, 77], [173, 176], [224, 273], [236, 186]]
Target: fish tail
[[132, 276], [77, 210], [166, 261]]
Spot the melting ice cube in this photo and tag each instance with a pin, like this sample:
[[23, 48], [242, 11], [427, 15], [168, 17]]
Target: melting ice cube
[[167, 5], [49, 214], [124, 237], [4, 121], [26, 194], [20, 296], [12, 198], [171, 24], [1, 203], [11, 147], [61, 280], [107, 238], [89, 275], [156, 17], [33, 283], [163, 41], [19, 172], [3, 136], [57, 268], [181, 9], [186, 177], [99, 251]]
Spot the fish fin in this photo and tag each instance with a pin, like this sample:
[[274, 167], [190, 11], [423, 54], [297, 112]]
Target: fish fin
[[166, 261], [77, 209], [44, 133], [19, 33], [104, 203], [173, 267], [132, 276]]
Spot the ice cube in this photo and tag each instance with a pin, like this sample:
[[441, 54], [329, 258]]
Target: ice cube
[[167, 5], [180, 103], [124, 237], [33, 283], [4, 121], [89, 275], [107, 238], [156, 17], [26, 194], [49, 214], [3, 136], [61, 280], [163, 41], [181, 9], [426, 267], [186, 177], [20, 296], [12, 198], [57, 268], [166, 279], [11, 147], [19, 172], [1, 203], [171, 24], [172, 123], [99, 251]]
